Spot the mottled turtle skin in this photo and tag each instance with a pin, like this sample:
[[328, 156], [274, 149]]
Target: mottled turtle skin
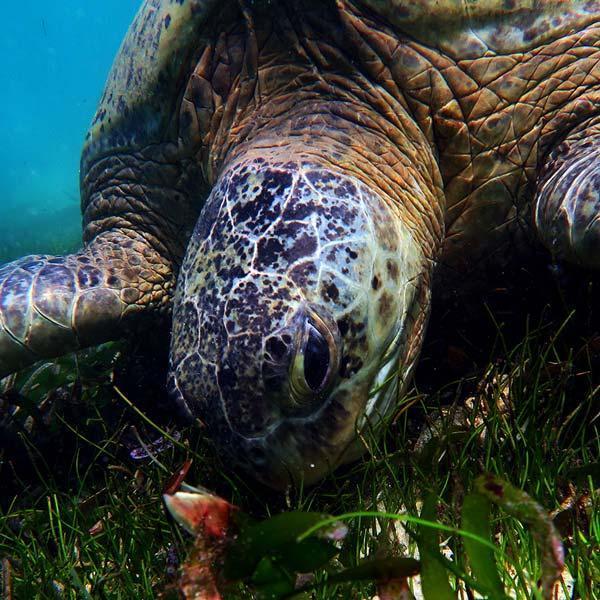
[[287, 177]]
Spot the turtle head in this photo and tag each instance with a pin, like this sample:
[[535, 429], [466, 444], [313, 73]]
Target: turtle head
[[295, 317]]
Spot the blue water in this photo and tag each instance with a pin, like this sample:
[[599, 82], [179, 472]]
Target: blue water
[[55, 58]]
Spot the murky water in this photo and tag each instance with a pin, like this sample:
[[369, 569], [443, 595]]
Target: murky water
[[55, 58]]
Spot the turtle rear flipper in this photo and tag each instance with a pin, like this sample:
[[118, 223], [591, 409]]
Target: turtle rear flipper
[[567, 205], [52, 305]]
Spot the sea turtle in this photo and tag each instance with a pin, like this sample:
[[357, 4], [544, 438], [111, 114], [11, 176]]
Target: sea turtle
[[289, 176]]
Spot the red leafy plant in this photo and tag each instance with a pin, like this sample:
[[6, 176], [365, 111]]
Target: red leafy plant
[[277, 556]]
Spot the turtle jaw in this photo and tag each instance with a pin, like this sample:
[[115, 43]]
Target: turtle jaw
[[302, 450], [301, 447]]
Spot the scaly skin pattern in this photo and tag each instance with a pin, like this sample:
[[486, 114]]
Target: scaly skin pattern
[[49, 303], [142, 91], [466, 29], [369, 102], [490, 117], [277, 241], [445, 133], [141, 195], [567, 207], [492, 114]]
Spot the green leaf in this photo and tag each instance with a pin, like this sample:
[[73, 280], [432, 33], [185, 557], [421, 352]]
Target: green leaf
[[434, 577], [271, 581], [476, 519], [307, 555], [521, 506], [274, 537]]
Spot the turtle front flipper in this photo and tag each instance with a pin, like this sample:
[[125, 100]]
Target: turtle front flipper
[[52, 305], [567, 206]]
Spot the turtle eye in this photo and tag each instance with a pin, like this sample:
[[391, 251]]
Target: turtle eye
[[316, 359], [314, 363]]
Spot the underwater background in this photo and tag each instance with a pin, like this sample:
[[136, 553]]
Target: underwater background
[[56, 57]]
